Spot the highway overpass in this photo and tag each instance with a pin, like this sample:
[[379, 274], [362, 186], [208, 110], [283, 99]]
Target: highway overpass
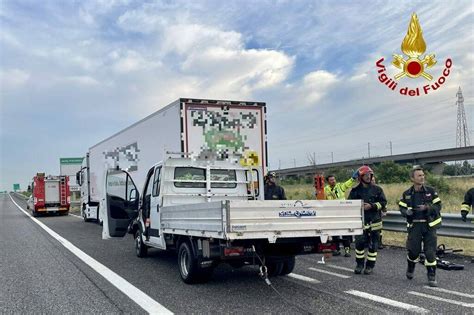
[[435, 158]]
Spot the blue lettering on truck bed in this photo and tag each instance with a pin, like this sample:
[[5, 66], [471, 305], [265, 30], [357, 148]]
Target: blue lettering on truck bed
[[297, 213]]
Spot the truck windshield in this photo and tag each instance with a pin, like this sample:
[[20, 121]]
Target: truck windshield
[[191, 177]]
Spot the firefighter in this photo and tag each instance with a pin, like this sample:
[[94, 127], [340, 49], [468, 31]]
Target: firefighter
[[272, 190], [421, 206], [467, 204], [374, 202], [333, 191]]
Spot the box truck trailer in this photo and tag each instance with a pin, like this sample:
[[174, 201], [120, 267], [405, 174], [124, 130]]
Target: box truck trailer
[[206, 128]]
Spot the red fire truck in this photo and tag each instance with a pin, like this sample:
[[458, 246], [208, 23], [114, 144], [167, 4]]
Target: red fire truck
[[49, 194]]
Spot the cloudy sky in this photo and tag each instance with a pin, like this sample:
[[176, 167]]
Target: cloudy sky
[[74, 72]]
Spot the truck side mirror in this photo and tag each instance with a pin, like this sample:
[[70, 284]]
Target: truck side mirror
[[133, 195], [78, 178]]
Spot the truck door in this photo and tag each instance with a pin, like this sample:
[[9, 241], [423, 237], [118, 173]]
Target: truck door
[[121, 203], [155, 217]]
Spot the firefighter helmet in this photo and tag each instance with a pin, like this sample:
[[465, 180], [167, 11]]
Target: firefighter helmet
[[365, 170]]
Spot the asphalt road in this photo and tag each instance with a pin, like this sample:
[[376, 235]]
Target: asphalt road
[[39, 274]]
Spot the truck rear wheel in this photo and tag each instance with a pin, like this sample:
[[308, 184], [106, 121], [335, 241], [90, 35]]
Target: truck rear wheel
[[140, 248], [288, 266], [189, 268], [274, 268]]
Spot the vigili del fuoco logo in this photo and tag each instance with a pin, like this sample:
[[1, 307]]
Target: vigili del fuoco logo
[[413, 64]]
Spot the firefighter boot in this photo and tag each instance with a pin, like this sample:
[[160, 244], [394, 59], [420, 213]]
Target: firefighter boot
[[432, 276], [360, 266], [369, 267], [410, 269], [347, 252]]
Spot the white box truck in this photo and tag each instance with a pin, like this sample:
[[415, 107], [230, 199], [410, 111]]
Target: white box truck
[[208, 128], [201, 194]]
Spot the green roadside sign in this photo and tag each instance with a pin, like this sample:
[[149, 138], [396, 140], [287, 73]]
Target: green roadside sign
[[76, 160], [16, 187]]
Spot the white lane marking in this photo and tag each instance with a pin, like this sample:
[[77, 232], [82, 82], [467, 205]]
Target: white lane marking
[[379, 299], [75, 215], [340, 268], [135, 294], [329, 273], [303, 278], [437, 298], [450, 292]]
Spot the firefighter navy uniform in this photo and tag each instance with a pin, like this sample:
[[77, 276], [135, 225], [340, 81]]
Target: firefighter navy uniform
[[421, 228], [373, 195]]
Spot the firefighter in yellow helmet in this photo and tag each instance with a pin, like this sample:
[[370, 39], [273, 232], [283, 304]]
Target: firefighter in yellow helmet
[[374, 203]]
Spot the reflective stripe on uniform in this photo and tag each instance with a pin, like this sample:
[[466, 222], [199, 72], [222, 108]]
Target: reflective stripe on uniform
[[435, 222], [436, 200], [360, 253], [401, 203], [376, 226], [465, 207], [372, 256], [378, 205], [414, 260], [428, 264], [366, 226], [409, 224]]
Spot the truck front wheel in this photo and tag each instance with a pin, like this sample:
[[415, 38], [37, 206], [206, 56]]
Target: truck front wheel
[[140, 248], [189, 268]]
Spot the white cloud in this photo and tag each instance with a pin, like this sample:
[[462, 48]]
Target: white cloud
[[83, 80], [13, 78], [130, 61]]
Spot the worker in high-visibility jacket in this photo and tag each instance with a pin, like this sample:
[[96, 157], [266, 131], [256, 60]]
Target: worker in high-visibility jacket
[[337, 191], [373, 202], [421, 206], [467, 204]]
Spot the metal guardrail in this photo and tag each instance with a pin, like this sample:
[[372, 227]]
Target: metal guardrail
[[451, 226]]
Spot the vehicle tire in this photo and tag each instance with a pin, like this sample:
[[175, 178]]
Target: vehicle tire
[[140, 248], [288, 266], [27, 207], [274, 268], [189, 268], [34, 213]]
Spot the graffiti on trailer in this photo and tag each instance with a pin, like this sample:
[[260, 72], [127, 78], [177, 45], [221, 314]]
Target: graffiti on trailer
[[222, 131], [125, 158]]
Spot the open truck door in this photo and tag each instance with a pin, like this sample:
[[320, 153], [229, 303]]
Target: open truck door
[[120, 203]]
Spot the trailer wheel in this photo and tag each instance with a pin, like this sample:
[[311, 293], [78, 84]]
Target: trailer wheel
[[274, 268], [189, 268], [288, 266], [140, 248], [34, 213]]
